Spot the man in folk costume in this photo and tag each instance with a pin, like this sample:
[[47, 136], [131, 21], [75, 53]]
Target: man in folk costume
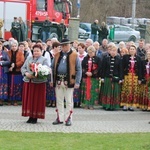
[[67, 75]]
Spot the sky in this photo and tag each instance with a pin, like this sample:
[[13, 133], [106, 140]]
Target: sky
[[10, 10]]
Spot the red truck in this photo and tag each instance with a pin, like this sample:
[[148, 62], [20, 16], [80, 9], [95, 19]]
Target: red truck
[[34, 13]]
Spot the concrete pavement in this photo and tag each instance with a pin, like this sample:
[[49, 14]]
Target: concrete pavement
[[84, 121]]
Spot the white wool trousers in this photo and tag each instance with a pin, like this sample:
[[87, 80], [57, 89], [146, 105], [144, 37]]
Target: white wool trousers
[[64, 93]]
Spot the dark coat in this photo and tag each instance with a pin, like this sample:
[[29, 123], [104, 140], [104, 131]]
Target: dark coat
[[94, 28], [117, 69], [141, 53], [46, 26], [5, 61], [138, 65], [103, 32], [96, 66]]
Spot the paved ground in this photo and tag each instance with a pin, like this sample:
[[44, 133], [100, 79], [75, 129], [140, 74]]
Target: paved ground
[[84, 121]]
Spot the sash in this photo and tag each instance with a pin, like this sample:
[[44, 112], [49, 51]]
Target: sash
[[88, 81]]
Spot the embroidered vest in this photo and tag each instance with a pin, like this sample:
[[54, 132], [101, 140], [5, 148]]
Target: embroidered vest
[[71, 65]]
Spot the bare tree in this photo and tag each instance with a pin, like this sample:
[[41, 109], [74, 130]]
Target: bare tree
[[100, 9]]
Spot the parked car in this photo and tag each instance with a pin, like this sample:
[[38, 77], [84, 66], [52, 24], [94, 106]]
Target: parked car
[[82, 34], [124, 33], [86, 26]]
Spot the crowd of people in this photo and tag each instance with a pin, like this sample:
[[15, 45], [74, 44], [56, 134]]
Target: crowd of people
[[83, 75]]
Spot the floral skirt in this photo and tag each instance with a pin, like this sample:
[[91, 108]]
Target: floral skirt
[[94, 92], [76, 95], [3, 84], [110, 94], [144, 98], [50, 93], [15, 87], [130, 91]]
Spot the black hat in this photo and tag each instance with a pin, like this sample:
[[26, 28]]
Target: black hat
[[64, 41]]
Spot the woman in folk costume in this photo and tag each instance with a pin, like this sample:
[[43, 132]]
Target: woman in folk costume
[[112, 75], [132, 66], [77, 92], [50, 90], [15, 78], [4, 64], [145, 87], [34, 87], [91, 65]]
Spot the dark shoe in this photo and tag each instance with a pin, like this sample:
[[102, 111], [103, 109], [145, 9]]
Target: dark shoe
[[148, 122], [130, 109], [1, 104], [49, 105], [56, 122], [53, 105], [68, 122], [15, 104], [34, 120], [124, 108], [29, 120]]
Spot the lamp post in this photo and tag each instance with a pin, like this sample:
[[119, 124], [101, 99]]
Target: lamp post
[[78, 6], [133, 12]]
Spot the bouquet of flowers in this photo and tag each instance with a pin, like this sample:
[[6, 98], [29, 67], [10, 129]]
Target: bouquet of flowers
[[40, 71]]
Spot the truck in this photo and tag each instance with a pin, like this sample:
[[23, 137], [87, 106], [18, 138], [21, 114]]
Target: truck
[[34, 13]]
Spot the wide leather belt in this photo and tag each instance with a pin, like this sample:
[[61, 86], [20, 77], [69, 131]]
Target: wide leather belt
[[61, 77]]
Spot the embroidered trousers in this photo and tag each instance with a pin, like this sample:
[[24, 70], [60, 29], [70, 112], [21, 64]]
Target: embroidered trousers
[[63, 93]]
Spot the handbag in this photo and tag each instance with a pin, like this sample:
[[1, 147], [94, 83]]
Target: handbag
[[115, 79], [143, 81]]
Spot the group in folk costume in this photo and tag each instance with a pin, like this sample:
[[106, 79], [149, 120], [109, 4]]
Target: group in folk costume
[[132, 67], [91, 65], [145, 87], [111, 78]]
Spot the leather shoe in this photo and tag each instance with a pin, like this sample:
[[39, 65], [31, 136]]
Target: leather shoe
[[29, 120], [56, 122], [34, 120], [130, 109], [68, 122], [125, 108]]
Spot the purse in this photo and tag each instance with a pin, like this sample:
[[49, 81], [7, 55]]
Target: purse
[[143, 81], [115, 79]]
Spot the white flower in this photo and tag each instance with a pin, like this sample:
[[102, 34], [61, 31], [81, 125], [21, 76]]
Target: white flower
[[43, 70]]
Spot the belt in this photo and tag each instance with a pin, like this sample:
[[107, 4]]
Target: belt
[[61, 77]]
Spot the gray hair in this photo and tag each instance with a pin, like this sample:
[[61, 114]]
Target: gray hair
[[14, 42]]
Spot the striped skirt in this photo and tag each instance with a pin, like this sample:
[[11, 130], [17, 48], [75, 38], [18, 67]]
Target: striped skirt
[[110, 94]]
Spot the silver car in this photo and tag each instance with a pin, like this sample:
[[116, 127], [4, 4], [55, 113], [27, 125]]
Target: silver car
[[124, 33]]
